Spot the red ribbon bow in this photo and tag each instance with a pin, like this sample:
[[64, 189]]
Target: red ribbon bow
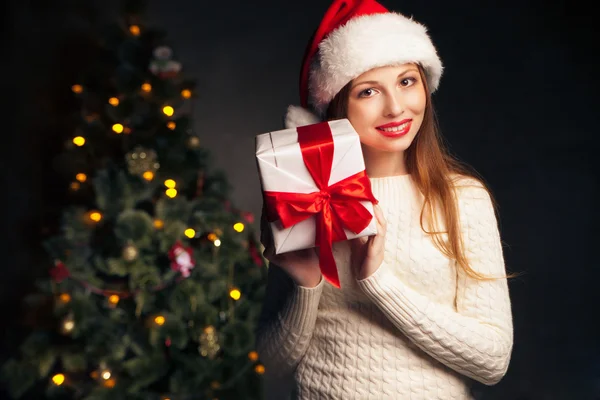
[[336, 206]]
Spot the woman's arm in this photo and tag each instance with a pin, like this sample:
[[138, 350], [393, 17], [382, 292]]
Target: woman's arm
[[475, 338], [287, 321]]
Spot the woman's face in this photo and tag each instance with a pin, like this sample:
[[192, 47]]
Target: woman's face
[[386, 107]]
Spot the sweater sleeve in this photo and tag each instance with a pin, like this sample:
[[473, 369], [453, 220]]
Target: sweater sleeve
[[474, 338], [287, 321]]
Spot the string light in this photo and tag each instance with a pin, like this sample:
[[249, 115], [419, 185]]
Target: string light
[[113, 101], [186, 93], [212, 237], [253, 355], [239, 227], [215, 385], [235, 294], [81, 177], [148, 175], [77, 89], [170, 183], [217, 243], [68, 324], [113, 299], [134, 30], [159, 320], [171, 192], [168, 111], [190, 233], [79, 141], [95, 216], [65, 297], [110, 383], [146, 87], [127, 130], [171, 125], [106, 374], [75, 186], [58, 379], [117, 128], [158, 223], [259, 369]]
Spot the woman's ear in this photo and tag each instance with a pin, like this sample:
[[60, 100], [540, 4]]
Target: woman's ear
[[299, 116]]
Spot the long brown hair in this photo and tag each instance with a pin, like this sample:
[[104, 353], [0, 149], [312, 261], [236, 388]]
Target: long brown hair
[[432, 168]]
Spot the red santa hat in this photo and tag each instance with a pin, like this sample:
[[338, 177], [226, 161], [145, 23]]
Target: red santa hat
[[353, 37]]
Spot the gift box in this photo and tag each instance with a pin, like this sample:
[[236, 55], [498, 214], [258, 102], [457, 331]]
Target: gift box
[[315, 188]]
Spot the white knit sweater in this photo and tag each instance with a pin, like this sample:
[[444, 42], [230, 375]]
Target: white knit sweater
[[415, 329]]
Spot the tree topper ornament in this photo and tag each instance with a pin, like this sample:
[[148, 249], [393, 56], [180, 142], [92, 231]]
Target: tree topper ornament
[[181, 259], [162, 65]]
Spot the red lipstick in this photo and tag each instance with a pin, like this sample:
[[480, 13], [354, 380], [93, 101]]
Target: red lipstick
[[399, 133]]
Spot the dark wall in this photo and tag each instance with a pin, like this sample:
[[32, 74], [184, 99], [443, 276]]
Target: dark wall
[[517, 101]]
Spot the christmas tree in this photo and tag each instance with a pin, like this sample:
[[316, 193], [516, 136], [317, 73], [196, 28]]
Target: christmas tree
[[155, 278]]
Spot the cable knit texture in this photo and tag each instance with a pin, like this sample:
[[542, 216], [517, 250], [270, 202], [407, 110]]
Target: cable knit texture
[[418, 328]]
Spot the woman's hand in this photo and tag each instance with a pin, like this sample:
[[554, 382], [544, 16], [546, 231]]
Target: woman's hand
[[301, 265], [368, 251]]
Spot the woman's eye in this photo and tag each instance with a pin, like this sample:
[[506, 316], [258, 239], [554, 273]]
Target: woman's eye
[[366, 93], [407, 81]]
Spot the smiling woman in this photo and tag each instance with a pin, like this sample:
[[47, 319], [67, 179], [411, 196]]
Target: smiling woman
[[424, 305]]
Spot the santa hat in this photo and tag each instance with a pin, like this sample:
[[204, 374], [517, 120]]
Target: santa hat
[[354, 37]]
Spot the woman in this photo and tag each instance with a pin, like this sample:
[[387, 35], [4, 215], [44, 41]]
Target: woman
[[424, 305]]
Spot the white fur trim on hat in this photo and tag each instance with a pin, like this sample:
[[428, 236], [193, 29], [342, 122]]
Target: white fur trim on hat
[[298, 116], [368, 42]]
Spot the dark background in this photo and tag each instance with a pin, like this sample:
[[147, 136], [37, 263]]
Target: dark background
[[517, 101]]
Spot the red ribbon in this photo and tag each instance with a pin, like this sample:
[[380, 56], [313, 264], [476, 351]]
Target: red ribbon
[[336, 206]]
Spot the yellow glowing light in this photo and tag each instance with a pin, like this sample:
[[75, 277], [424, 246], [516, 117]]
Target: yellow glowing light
[[146, 87], [260, 369], [171, 125], [212, 237], [135, 30], [171, 192], [148, 175], [58, 379], [159, 320], [117, 128], [95, 216], [113, 299], [75, 185], [170, 183], [77, 89], [158, 223], [113, 101], [110, 383], [79, 141], [235, 294], [68, 326], [168, 111], [217, 243], [239, 227], [65, 297], [106, 375], [186, 93], [189, 232], [253, 356], [81, 177]]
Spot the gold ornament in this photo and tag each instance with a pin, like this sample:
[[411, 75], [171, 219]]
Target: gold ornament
[[142, 160], [130, 253], [209, 343]]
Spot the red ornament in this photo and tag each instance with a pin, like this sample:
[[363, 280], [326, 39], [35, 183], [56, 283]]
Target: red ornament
[[168, 342], [59, 272], [181, 259], [248, 216], [254, 253]]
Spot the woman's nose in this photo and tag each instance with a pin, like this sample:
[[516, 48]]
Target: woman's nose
[[393, 105]]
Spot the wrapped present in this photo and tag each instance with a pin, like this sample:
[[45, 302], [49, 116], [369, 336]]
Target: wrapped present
[[316, 190]]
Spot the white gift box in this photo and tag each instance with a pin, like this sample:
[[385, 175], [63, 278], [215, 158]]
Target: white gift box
[[282, 169]]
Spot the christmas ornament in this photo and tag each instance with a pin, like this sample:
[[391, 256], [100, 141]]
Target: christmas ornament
[[254, 253], [248, 216], [59, 272], [130, 252], [181, 259], [162, 65], [209, 343], [141, 160]]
